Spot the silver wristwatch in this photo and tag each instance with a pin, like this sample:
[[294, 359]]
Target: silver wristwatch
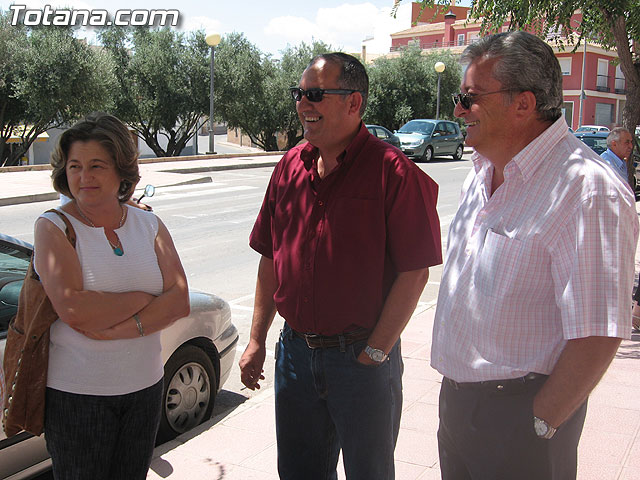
[[543, 429], [375, 354]]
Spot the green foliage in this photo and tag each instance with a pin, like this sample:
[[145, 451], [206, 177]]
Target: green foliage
[[405, 87], [291, 66], [47, 78], [252, 90], [615, 24], [163, 78]]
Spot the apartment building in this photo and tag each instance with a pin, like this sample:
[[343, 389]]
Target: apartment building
[[594, 86]]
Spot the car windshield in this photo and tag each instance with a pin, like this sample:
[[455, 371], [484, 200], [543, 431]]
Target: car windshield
[[415, 126], [13, 268], [597, 144], [589, 129]]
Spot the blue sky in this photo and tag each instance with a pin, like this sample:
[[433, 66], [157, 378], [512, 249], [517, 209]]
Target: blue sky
[[271, 26]]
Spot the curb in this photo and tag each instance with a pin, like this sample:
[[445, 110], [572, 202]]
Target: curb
[[219, 168], [37, 197]]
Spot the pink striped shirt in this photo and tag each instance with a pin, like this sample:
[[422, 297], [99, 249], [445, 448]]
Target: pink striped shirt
[[547, 258]]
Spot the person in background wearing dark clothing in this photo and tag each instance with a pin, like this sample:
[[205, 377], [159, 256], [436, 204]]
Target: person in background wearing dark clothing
[[347, 232], [635, 314]]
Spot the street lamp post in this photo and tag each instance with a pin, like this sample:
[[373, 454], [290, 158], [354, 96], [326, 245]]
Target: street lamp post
[[439, 67], [213, 39]]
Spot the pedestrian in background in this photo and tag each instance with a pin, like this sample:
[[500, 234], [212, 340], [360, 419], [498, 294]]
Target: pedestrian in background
[[620, 145], [347, 232], [534, 297]]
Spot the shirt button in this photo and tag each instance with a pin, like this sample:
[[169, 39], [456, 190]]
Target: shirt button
[[320, 202], [305, 299]]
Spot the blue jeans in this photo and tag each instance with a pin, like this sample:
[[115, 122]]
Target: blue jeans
[[326, 401], [102, 437]]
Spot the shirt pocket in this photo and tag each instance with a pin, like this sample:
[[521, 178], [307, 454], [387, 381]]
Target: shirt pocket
[[508, 267]]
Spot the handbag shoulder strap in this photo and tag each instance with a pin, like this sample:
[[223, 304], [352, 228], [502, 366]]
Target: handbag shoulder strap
[[69, 231]]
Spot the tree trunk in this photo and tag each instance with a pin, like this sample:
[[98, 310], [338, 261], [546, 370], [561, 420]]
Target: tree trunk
[[631, 71]]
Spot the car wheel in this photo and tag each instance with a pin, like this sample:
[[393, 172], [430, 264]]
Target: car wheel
[[459, 152], [189, 392], [427, 155]]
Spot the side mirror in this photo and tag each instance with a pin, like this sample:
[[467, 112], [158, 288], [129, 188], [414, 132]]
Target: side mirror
[[149, 191]]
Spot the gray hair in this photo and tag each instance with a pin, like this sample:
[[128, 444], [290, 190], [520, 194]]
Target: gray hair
[[524, 64], [615, 134], [353, 75]]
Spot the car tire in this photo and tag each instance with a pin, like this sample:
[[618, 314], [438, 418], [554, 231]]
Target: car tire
[[458, 153], [189, 392], [427, 156]]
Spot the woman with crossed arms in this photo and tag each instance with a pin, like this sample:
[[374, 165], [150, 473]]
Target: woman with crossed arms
[[114, 292]]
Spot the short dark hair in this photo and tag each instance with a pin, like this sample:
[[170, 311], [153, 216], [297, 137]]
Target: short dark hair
[[353, 75], [114, 137], [525, 64]]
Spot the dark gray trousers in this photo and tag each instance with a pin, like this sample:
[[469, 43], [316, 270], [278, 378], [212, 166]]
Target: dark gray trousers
[[487, 434], [102, 437]]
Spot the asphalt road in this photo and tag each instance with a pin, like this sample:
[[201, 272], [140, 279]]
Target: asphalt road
[[210, 224]]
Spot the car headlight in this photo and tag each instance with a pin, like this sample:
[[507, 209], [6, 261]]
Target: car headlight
[[415, 143]]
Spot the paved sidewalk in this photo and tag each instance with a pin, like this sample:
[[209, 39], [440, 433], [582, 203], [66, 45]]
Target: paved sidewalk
[[33, 183], [241, 446]]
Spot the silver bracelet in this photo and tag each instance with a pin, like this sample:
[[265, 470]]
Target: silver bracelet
[[139, 324]]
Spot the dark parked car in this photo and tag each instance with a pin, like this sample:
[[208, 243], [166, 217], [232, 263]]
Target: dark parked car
[[597, 141], [198, 353], [425, 139], [384, 135]]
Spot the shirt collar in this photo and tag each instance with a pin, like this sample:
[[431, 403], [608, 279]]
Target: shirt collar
[[527, 160], [309, 153], [609, 152]]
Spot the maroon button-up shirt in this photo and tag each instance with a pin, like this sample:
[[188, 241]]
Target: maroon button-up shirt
[[338, 243]]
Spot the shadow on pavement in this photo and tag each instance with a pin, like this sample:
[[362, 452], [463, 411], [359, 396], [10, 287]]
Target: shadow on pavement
[[630, 349]]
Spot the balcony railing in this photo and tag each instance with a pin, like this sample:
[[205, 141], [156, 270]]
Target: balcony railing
[[431, 45]]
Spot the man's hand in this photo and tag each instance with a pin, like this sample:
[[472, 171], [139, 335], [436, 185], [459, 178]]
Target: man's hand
[[251, 364], [365, 359]]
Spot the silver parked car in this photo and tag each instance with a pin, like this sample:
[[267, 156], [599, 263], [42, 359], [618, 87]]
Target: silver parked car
[[425, 139], [198, 352]]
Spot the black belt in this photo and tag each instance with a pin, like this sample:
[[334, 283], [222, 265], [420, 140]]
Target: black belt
[[321, 341], [498, 385]]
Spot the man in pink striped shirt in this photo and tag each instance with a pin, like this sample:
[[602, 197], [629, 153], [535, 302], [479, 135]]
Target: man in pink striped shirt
[[535, 294]]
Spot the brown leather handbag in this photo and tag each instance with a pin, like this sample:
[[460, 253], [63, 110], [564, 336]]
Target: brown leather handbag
[[26, 353]]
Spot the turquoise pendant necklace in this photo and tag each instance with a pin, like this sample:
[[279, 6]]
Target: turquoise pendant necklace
[[117, 248]]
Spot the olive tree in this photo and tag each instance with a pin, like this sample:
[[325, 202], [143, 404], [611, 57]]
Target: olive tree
[[163, 84], [48, 78], [405, 87]]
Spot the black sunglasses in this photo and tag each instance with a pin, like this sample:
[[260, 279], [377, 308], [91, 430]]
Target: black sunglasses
[[467, 99], [316, 94]]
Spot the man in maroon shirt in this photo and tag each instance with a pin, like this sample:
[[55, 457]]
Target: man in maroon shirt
[[347, 232]]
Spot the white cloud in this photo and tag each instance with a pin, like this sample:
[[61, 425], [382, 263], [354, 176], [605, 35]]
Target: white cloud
[[345, 26], [209, 25]]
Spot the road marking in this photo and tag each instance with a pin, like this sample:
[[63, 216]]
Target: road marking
[[241, 307], [240, 348], [241, 299], [211, 191]]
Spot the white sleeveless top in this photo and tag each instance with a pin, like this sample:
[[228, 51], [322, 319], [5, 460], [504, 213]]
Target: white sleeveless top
[[78, 364]]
